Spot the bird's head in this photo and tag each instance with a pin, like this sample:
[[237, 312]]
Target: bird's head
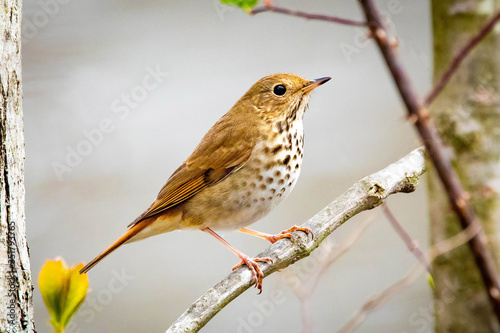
[[280, 96]]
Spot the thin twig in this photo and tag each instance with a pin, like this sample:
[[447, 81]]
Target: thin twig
[[377, 301], [334, 19], [410, 243], [457, 60], [305, 290], [336, 253], [458, 197], [365, 194]]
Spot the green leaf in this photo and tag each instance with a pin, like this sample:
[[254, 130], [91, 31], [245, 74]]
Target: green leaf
[[78, 286], [63, 290], [52, 285], [430, 280], [246, 5]]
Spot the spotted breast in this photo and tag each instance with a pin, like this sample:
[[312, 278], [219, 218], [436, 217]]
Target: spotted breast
[[267, 179]]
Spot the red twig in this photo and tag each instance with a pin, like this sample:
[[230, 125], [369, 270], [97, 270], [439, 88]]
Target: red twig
[[410, 243], [456, 194], [457, 60], [334, 19]]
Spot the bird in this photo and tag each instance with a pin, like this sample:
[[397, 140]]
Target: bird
[[245, 165]]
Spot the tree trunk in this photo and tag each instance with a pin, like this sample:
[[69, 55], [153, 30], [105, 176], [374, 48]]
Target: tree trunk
[[16, 289], [468, 120]]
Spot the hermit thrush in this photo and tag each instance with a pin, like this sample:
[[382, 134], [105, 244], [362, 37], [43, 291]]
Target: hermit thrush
[[246, 164]]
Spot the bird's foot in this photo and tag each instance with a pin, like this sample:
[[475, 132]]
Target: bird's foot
[[288, 234], [257, 273]]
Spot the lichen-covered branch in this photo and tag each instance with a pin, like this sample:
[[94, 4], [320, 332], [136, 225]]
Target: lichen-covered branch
[[330, 254], [367, 193], [16, 290]]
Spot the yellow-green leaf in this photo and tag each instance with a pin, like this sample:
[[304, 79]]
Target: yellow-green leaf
[[79, 284], [63, 290], [430, 280]]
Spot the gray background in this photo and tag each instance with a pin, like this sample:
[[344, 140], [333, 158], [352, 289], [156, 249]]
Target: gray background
[[80, 57]]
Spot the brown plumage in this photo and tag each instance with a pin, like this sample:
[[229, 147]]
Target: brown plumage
[[237, 173]]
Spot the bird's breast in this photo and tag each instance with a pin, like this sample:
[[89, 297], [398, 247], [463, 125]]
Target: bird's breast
[[250, 193]]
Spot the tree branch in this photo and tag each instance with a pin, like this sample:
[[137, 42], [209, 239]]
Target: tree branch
[[411, 244], [271, 8], [437, 250], [16, 288], [457, 195], [305, 290], [367, 193], [457, 60]]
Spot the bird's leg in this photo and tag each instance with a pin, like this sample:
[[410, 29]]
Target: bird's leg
[[274, 238], [257, 273]]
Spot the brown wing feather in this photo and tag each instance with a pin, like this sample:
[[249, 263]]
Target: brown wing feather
[[224, 149]]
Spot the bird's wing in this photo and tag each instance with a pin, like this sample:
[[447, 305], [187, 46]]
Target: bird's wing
[[224, 149]]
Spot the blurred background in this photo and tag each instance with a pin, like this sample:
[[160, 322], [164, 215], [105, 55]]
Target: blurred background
[[118, 93]]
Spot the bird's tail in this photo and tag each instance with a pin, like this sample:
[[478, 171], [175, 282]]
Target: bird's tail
[[123, 239]]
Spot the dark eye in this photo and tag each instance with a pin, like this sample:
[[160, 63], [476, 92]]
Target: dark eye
[[279, 90]]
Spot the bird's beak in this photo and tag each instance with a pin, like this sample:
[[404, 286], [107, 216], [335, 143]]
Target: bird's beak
[[314, 84]]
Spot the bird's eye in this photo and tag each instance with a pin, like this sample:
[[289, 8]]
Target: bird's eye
[[279, 90]]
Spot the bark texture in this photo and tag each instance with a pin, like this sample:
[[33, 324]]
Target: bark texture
[[467, 117], [16, 289]]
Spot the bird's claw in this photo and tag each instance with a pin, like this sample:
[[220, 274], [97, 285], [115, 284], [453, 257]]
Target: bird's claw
[[257, 273], [288, 233]]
